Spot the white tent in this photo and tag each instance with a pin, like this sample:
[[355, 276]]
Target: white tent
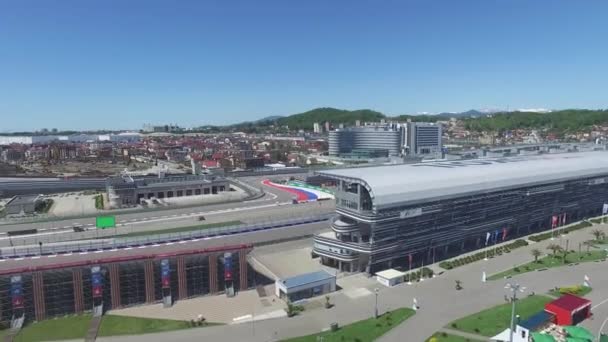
[[517, 336]]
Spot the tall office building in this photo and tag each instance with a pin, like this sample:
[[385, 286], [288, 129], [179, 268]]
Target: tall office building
[[423, 139], [316, 127]]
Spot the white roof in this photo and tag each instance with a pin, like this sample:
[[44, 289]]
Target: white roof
[[391, 273], [415, 183]]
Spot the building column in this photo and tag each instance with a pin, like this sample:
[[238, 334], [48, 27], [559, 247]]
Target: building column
[[243, 269], [114, 285], [149, 280], [38, 289], [78, 292], [182, 286], [213, 284]]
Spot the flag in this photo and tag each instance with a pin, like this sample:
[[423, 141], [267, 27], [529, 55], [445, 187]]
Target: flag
[[553, 221], [496, 235], [605, 209], [564, 219], [410, 257], [488, 237], [504, 234]]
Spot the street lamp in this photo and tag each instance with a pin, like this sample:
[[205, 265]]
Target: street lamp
[[376, 290], [514, 288], [599, 332]]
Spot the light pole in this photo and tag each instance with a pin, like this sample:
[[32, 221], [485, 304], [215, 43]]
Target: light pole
[[514, 288], [376, 290], [599, 332]]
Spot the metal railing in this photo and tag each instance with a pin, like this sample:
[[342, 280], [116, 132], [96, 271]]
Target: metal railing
[[110, 242]]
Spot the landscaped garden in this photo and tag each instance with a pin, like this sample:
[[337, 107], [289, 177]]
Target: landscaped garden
[[558, 258], [362, 331], [492, 321], [113, 325], [578, 290], [76, 327], [57, 329], [490, 253], [445, 337], [557, 232]]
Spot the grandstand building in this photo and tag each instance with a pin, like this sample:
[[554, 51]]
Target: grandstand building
[[96, 285], [419, 213]]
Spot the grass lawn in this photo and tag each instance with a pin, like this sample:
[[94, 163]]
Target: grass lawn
[[181, 229], [59, 329], [365, 331], [550, 262], [113, 325], [491, 321], [578, 290], [443, 337]]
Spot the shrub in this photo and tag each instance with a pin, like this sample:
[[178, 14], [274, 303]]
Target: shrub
[[454, 325]]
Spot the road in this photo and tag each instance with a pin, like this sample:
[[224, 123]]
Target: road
[[439, 302], [247, 211]]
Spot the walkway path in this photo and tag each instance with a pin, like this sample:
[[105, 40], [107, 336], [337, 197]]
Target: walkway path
[[439, 302]]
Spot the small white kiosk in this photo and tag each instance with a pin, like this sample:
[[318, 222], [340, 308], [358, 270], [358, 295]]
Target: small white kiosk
[[390, 277]]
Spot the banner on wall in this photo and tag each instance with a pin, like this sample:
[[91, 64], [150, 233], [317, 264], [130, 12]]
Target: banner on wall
[[17, 292], [165, 273], [227, 266], [96, 281]]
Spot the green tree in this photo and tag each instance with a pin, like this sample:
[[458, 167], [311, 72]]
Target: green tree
[[536, 253], [554, 248], [597, 234]]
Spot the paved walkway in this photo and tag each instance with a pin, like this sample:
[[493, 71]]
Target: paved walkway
[[439, 302], [217, 309]]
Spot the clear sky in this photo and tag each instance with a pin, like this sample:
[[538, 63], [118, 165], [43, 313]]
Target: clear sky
[[122, 63]]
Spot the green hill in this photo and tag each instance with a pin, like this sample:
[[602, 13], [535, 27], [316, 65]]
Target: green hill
[[335, 116], [568, 120]]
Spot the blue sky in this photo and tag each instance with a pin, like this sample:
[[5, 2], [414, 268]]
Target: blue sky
[[122, 63]]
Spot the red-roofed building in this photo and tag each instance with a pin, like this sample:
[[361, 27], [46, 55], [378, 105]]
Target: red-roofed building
[[211, 164], [569, 309]]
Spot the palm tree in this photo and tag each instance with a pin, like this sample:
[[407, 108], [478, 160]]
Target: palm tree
[[536, 253], [554, 248], [597, 233], [588, 244]]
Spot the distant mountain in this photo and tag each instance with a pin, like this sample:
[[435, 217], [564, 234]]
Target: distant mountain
[[335, 116], [269, 119]]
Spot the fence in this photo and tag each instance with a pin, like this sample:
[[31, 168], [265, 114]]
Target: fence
[[117, 243]]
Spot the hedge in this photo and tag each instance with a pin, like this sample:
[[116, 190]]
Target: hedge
[[548, 235], [414, 276], [449, 264]]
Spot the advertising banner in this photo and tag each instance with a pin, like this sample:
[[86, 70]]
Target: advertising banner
[[96, 281], [17, 292], [227, 266], [165, 273]]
